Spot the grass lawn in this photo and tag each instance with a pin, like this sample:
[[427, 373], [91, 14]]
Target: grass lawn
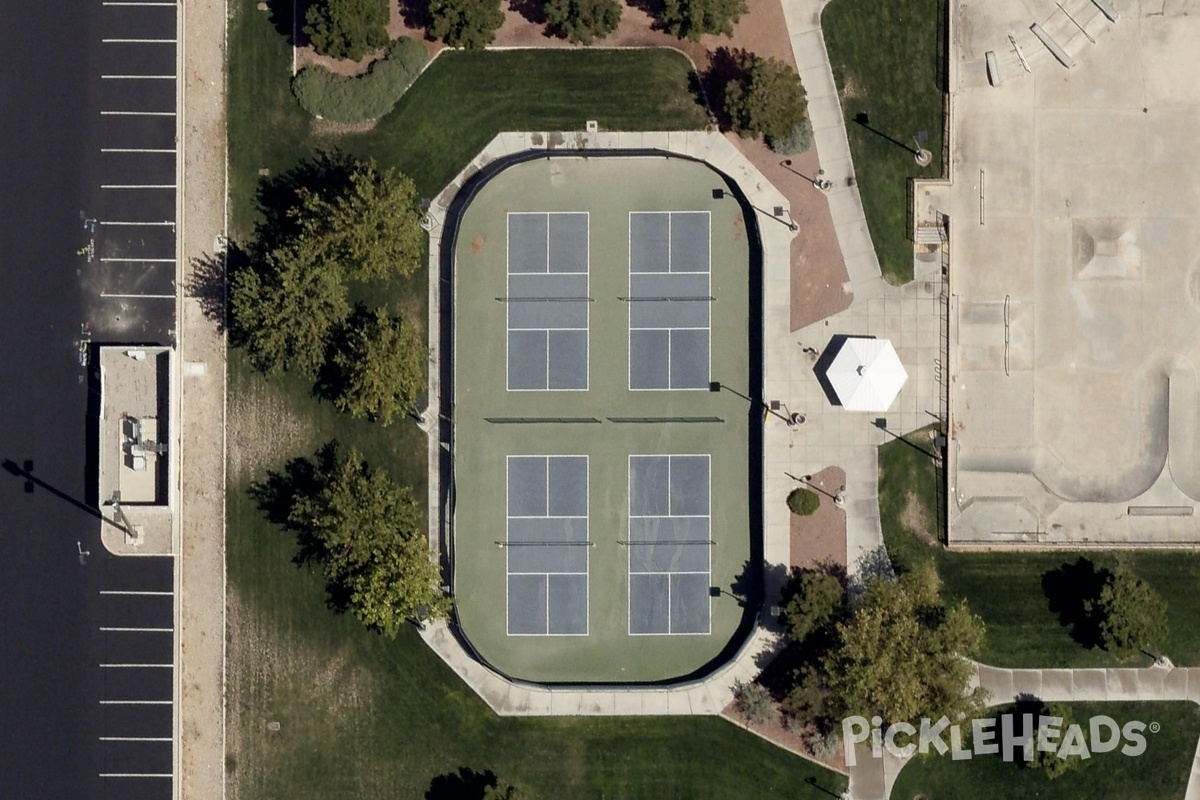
[[459, 103], [359, 716], [1162, 771], [1006, 590], [885, 58]]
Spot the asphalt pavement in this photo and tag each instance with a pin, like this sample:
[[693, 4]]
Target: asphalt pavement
[[73, 724]]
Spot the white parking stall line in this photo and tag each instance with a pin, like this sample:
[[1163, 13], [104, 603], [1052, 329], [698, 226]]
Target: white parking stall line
[[138, 77], [137, 149], [136, 222], [136, 702], [137, 113], [139, 297], [135, 738], [137, 666], [137, 186], [137, 630], [138, 41], [138, 260], [137, 775], [128, 591]]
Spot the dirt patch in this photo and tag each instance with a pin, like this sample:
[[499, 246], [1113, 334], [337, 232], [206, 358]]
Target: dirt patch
[[819, 540], [477, 244], [325, 127], [852, 89], [262, 431], [915, 519]]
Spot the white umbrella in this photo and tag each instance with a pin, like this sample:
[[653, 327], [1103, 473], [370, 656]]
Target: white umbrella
[[866, 374]]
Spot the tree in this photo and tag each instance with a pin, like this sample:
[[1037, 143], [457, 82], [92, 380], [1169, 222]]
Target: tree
[[379, 366], [691, 19], [367, 533], [347, 28], [465, 23], [1131, 615], [754, 701], [812, 601], [803, 502], [767, 100], [902, 653], [329, 222], [582, 21], [283, 307], [1048, 760]]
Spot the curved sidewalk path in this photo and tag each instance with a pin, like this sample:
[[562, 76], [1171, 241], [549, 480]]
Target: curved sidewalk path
[[872, 778]]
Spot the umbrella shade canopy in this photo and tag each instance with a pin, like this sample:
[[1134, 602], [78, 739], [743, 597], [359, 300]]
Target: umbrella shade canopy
[[866, 374]]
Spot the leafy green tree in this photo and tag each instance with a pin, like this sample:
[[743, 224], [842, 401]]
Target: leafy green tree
[[902, 653], [283, 307], [347, 28], [505, 791], [379, 366], [767, 100], [691, 19], [1048, 761], [471, 24], [583, 21], [374, 227], [367, 533], [812, 601], [330, 222], [1131, 615]]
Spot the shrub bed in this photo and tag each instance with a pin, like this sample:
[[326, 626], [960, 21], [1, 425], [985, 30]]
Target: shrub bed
[[363, 97]]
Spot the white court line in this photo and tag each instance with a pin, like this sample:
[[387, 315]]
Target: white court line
[[138, 296], [138, 260], [137, 186], [137, 150], [137, 774], [138, 41], [137, 666], [138, 77], [138, 630], [135, 738], [136, 702], [137, 113], [136, 222], [124, 591]]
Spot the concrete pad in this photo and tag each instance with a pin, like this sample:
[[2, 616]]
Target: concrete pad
[[1175, 685], [1027, 682], [627, 703], [1090, 684], [1150, 684], [998, 681], [1123, 684]]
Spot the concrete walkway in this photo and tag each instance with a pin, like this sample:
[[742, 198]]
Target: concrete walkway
[[872, 778], [803, 18]]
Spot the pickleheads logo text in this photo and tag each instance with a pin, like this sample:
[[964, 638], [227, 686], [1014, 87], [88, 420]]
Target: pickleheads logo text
[[1005, 736]]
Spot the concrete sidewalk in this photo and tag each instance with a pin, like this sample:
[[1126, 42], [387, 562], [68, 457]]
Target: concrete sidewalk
[[803, 18]]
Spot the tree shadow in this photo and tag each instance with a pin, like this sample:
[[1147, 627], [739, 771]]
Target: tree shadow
[[532, 10], [415, 14], [652, 8], [465, 784], [326, 175], [1071, 590], [277, 495], [208, 282], [726, 65], [287, 17]]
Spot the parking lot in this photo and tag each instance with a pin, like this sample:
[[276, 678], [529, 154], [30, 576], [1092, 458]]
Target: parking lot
[[136, 630], [130, 219]]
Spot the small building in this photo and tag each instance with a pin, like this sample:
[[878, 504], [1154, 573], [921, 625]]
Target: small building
[[136, 466]]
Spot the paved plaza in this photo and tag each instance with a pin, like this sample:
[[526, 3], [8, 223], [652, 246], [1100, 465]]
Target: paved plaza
[[1074, 283]]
